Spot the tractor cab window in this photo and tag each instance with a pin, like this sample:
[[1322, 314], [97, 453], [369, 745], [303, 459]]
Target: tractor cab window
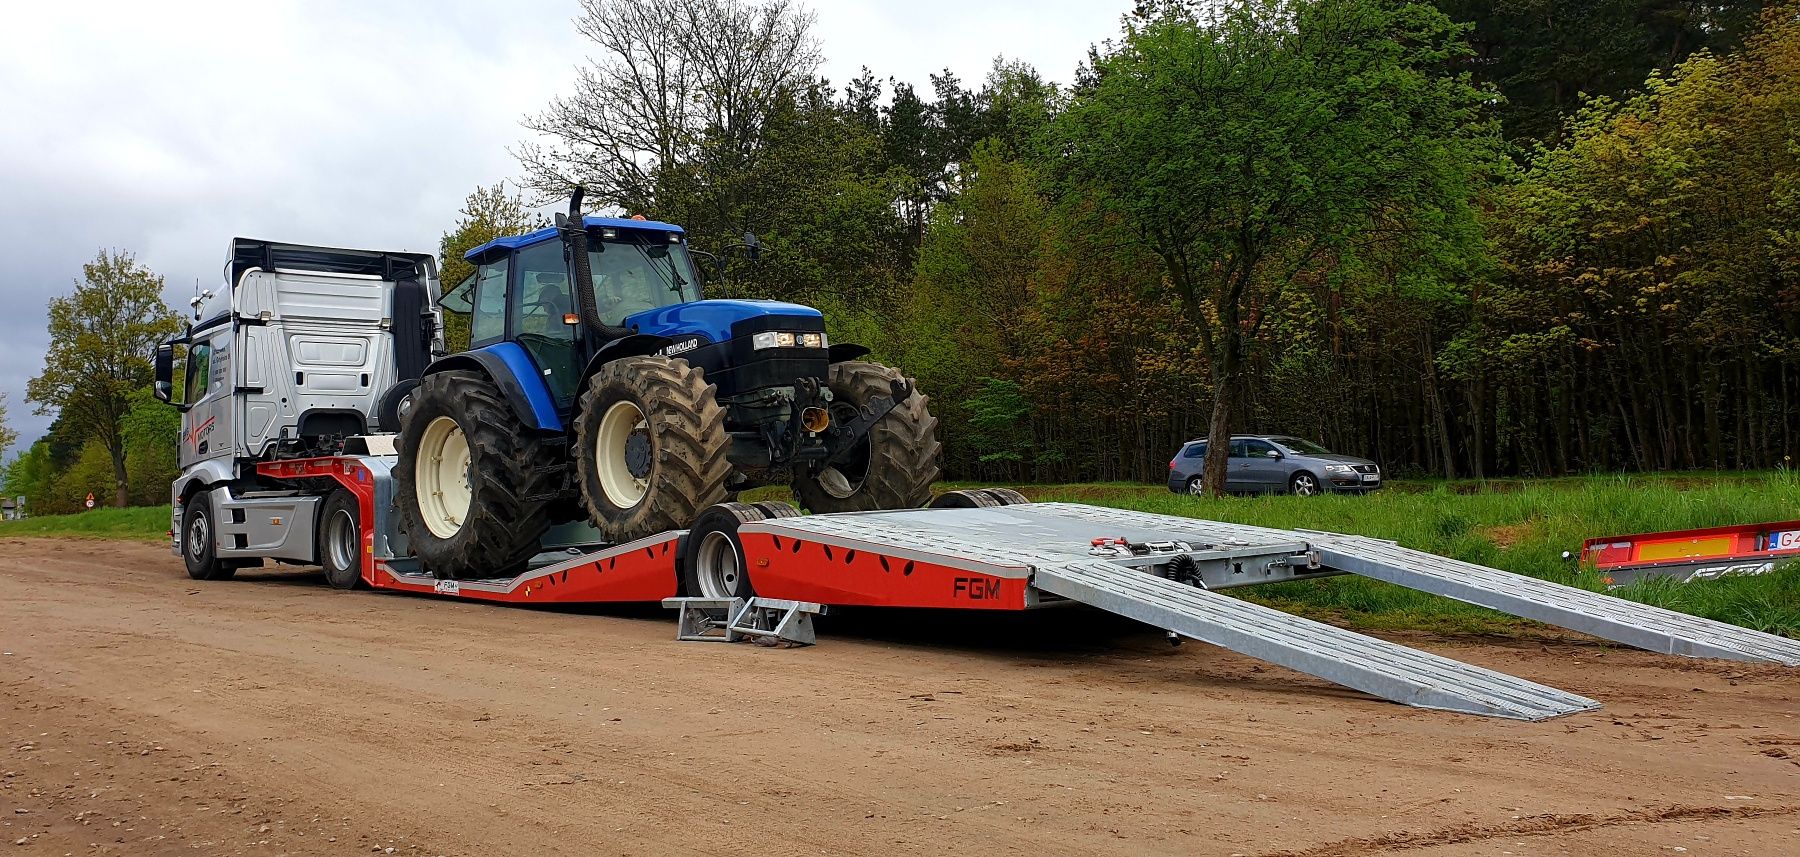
[[638, 270], [458, 306], [488, 324], [541, 305]]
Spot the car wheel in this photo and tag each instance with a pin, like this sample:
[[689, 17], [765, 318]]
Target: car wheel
[[1304, 484], [1196, 487]]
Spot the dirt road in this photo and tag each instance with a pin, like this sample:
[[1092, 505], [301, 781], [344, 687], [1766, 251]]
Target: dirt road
[[148, 714]]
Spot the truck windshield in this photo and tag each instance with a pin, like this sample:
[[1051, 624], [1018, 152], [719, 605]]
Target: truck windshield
[[639, 270]]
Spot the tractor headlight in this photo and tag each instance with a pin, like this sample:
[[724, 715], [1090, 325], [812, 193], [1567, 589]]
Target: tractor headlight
[[786, 339]]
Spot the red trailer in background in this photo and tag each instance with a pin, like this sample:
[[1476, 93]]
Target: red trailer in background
[[1688, 555]]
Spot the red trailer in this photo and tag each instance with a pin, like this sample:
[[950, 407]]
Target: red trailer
[[986, 550]]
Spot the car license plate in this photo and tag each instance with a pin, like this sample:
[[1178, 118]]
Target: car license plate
[[1787, 541], [1376, 477]]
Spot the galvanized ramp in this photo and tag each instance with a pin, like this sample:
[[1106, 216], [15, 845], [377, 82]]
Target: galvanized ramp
[[1605, 616], [1367, 664]]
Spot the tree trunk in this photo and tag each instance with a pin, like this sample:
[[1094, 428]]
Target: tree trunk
[[120, 496]]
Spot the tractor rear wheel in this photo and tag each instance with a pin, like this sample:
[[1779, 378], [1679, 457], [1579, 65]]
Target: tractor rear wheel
[[472, 485], [893, 467], [652, 446]]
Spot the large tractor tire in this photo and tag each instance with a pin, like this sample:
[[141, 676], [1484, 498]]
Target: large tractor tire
[[894, 466], [472, 486], [651, 447]]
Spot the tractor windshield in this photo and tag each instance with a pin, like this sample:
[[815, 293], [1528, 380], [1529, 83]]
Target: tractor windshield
[[637, 270]]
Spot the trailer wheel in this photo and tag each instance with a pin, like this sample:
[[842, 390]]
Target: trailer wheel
[[652, 447], [1006, 496], [340, 540], [472, 486], [893, 467], [713, 565], [198, 551]]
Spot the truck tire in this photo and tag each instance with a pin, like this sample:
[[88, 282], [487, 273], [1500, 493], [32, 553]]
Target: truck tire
[[651, 447], [198, 550], [713, 565], [893, 467], [472, 485], [340, 540]]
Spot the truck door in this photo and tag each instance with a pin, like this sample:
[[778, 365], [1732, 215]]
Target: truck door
[[207, 428]]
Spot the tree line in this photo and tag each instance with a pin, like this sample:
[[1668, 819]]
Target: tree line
[[1463, 238]]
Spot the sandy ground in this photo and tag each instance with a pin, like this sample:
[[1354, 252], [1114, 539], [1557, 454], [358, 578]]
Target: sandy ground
[[145, 714]]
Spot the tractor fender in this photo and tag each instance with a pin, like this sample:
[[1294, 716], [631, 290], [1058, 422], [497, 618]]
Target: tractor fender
[[635, 345], [841, 351], [513, 371]]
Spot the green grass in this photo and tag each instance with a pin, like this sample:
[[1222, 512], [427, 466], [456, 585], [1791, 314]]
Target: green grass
[[147, 523]]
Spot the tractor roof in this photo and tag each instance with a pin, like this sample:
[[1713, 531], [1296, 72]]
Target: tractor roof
[[513, 242]]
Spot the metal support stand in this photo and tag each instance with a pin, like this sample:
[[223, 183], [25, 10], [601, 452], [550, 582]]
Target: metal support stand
[[728, 620]]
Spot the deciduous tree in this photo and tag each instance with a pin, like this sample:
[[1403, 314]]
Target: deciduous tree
[[101, 337]]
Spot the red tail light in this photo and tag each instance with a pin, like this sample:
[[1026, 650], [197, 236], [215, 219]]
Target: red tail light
[[1172, 464]]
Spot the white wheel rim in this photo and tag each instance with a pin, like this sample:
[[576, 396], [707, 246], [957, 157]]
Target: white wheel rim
[[622, 454], [718, 566], [1304, 486], [199, 533], [1196, 488], [441, 483]]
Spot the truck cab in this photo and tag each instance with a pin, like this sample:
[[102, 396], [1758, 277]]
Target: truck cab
[[301, 349]]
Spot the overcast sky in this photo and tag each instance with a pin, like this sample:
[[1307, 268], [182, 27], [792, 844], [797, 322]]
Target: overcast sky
[[167, 129]]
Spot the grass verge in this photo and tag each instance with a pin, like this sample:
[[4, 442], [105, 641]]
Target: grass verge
[[141, 523]]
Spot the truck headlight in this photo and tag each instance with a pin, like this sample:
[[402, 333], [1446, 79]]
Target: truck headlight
[[786, 339]]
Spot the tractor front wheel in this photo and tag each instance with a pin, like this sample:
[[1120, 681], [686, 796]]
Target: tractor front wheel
[[893, 467], [652, 447], [472, 485]]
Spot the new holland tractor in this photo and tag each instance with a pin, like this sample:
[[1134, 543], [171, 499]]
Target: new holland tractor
[[599, 385]]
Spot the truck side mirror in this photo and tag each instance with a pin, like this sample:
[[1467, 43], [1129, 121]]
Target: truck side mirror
[[164, 389]]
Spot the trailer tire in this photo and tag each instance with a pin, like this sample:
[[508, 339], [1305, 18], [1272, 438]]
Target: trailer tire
[[340, 540], [713, 564], [1006, 496], [652, 447], [507, 472], [893, 467], [198, 548]]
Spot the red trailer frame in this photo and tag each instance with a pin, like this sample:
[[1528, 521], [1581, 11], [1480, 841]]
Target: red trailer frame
[[1689, 555]]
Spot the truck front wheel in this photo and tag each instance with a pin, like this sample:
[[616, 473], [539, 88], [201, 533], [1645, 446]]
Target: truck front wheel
[[472, 485], [198, 547]]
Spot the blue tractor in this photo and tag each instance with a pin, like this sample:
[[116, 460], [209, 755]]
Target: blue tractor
[[598, 385]]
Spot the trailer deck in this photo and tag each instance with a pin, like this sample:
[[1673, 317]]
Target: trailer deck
[[1162, 570]]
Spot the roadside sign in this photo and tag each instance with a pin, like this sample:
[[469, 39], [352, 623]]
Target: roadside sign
[[90, 500]]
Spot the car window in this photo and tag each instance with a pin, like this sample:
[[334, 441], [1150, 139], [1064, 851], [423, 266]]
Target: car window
[[1194, 450], [1238, 450], [1301, 446], [1258, 448]]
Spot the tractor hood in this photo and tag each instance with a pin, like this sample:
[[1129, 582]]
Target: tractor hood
[[721, 320]]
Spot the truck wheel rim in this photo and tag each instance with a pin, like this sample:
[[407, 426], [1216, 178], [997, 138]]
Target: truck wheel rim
[[718, 565], [442, 483], [622, 454], [199, 531], [340, 539]]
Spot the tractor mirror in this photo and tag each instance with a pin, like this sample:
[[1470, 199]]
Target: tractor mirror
[[753, 248], [164, 390]]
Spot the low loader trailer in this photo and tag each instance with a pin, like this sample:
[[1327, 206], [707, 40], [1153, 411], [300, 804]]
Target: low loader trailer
[[299, 390], [991, 550]]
